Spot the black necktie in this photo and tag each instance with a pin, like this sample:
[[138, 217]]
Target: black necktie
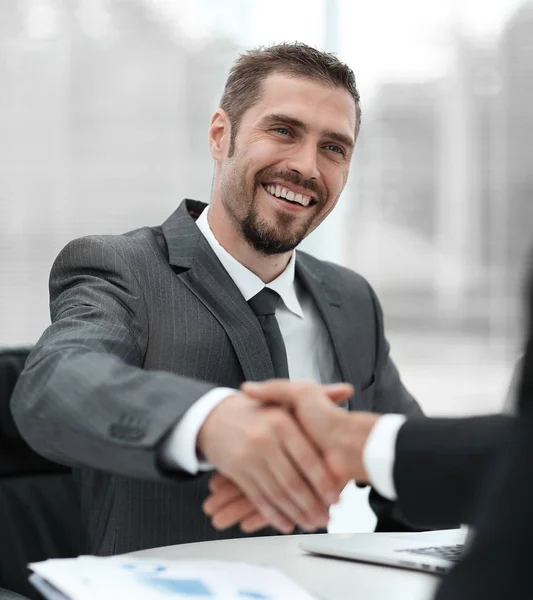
[[264, 306]]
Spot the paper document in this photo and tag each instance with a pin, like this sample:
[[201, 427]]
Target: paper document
[[109, 578]]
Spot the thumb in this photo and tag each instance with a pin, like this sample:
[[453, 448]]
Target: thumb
[[338, 392], [287, 393], [311, 403]]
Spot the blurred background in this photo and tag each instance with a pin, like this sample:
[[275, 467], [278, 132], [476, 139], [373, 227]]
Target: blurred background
[[104, 110]]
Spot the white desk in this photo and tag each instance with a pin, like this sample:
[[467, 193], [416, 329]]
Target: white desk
[[327, 578]]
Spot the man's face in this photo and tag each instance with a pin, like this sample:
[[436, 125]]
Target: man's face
[[290, 163]]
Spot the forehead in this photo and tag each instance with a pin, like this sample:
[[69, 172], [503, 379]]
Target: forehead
[[320, 106]]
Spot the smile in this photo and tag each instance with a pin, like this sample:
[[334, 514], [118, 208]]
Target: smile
[[279, 191]]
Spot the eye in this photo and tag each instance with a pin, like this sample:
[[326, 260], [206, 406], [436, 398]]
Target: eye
[[282, 130], [336, 149]]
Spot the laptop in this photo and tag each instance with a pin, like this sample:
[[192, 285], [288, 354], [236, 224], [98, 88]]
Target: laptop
[[431, 551]]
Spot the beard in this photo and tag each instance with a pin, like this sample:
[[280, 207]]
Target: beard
[[267, 238], [270, 240]]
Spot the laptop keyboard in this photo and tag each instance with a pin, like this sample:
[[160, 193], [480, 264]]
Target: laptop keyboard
[[451, 553]]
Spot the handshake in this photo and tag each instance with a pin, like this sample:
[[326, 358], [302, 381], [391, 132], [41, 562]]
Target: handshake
[[283, 452]]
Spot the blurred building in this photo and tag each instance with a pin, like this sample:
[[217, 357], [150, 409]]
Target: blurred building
[[444, 186], [404, 155], [517, 113], [104, 112]]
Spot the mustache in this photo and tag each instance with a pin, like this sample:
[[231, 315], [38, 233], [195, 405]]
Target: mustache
[[291, 177]]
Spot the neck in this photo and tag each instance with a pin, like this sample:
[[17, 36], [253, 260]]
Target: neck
[[267, 268]]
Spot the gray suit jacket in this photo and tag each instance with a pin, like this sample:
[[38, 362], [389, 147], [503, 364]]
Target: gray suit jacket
[[144, 324]]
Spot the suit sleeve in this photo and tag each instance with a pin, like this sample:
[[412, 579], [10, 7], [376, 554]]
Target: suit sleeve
[[83, 398], [497, 563], [440, 463]]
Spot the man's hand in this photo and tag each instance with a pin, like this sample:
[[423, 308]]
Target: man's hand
[[340, 436], [260, 448]]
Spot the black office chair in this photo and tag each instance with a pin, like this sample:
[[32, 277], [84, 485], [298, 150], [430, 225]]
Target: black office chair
[[39, 502], [7, 595]]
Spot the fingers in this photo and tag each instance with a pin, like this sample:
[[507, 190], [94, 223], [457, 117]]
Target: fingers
[[233, 513], [217, 481], [307, 459], [338, 392], [287, 393], [221, 496], [268, 458], [284, 488], [227, 506], [267, 507], [326, 432], [253, 523], [314, 413], [237, 509]]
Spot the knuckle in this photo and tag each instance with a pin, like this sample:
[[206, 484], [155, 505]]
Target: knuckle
[[241, 460], [257, 438]]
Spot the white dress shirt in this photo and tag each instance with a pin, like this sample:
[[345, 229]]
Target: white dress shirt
[[310, 355]]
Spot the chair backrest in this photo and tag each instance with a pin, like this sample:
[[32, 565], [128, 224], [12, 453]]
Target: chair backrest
[[39, 501], [8, 595]]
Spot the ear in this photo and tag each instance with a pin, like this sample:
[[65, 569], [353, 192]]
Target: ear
[[219, 135]]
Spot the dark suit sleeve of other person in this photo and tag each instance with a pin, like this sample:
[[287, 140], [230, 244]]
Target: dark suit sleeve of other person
[[390, 396], [440, 464], [83, 398], [497, 565]]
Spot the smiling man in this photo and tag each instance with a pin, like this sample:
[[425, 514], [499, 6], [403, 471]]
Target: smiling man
[[286, 173], [136, 382]]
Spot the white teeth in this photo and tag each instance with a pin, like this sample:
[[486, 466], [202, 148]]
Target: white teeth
[[281, 192]]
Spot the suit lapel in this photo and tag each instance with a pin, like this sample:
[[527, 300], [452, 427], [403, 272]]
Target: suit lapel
[[201, 271], [328, 302], [342, 324]]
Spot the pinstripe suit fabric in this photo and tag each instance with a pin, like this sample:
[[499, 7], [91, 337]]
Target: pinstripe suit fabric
[[144, 324]]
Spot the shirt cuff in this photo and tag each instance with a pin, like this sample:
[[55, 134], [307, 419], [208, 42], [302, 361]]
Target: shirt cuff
[[379, 454], [179, 450]]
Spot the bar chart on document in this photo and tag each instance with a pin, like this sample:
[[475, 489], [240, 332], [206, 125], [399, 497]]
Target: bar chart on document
[[89, 577]]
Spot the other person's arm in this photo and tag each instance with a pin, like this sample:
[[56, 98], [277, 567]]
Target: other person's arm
[[435, 464]]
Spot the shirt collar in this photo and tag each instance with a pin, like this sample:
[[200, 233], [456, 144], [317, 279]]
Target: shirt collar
[[249, 283]]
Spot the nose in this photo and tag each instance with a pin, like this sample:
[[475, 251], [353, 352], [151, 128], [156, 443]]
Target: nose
[[303, 160]]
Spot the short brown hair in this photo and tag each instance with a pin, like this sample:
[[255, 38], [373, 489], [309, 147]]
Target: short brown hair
[[244, 86]]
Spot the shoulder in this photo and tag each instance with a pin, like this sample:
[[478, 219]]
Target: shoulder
[[135, 248], [343, 279]]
